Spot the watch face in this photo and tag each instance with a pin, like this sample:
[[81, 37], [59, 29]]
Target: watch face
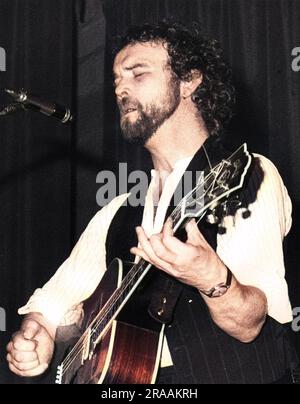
[[219, 291]]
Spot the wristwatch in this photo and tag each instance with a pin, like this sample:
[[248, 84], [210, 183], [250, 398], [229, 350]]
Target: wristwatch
[[221, 288]]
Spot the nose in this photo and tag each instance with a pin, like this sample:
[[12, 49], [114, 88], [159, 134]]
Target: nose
[[121, 89]]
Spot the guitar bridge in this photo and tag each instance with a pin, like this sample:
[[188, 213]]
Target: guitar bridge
[[59, 373]]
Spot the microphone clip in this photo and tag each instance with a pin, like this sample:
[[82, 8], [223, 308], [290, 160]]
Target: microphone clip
[[12, 109]]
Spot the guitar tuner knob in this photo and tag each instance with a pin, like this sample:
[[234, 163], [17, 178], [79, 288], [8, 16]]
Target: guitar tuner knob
[[211, 218], [221, 230], [211, 195], [246, 213], [160, 312]]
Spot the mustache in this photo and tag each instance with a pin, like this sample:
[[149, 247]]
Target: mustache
[[125, 104]]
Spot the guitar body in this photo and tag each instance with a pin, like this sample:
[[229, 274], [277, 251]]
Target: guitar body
[[129, 352]]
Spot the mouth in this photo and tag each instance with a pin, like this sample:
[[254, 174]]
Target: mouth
[[128, 111]]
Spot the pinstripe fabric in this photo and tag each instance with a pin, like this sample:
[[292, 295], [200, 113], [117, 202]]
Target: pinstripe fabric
[[202, 352]]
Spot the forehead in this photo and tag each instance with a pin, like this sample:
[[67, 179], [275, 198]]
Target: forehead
[[153, 54]]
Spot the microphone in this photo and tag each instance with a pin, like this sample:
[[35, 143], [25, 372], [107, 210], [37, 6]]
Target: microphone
[[30, 101]]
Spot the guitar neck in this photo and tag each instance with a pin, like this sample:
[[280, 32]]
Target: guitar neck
[[129, 284]]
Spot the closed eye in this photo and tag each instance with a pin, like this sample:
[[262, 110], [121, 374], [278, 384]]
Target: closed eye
[[139, 75]]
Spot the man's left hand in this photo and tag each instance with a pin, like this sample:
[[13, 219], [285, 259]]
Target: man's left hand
[[193, 262]]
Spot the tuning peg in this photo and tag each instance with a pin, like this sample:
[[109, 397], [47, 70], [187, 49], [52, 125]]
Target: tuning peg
[[212, 216], [246, 213], [221, 229]]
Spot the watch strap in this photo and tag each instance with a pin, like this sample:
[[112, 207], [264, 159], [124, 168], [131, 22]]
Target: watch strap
[[221, 288]]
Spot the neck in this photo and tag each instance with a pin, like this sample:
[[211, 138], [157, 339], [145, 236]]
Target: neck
[[179, 137]]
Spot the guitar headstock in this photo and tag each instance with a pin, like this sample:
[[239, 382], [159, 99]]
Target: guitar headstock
[[215, 186]]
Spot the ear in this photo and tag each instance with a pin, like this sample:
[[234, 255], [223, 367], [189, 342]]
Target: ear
[[189, 85]]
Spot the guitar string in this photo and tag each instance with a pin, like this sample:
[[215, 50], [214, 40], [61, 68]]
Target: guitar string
[[77, 349], [176, 213], [207, 157], [79, 345], [213, 173]]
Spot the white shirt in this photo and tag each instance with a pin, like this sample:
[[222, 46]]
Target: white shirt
[[251, 248]]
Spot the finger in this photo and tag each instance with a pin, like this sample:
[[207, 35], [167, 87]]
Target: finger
[[22, 344], [24, 356], [9, 346], [30, 329], [194, 236], [147, 248], [174, 245], [22, 365], [145, 244], [167, 229], [140, 253], [161, 250], [28, 373]]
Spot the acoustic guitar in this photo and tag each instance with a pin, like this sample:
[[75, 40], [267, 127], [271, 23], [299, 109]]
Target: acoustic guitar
[[113, 348]]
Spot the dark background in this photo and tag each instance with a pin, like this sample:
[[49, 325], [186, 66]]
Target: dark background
[[60, 49]]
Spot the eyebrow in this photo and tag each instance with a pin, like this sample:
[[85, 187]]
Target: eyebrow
[[132, 67], [135, 65]]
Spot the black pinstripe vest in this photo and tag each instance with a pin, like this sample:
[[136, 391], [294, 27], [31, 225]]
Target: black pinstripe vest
[[200, 350]]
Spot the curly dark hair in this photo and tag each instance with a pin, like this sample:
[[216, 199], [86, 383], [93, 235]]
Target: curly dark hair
[[188, 51]]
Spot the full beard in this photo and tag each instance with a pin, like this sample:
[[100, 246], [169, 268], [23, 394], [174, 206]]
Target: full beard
[[150, 118]]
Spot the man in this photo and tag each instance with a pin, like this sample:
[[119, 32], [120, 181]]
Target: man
[[175, 95]]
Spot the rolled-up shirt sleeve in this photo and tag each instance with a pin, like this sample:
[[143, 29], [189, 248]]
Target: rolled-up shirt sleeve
[[252, 247], [59, 300]]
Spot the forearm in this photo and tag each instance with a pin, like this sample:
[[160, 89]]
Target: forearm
[[241, 312]]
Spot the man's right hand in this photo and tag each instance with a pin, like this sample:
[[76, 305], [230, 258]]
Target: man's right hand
[[30, 350]]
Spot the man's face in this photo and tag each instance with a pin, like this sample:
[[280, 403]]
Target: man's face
[[147, 92]]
